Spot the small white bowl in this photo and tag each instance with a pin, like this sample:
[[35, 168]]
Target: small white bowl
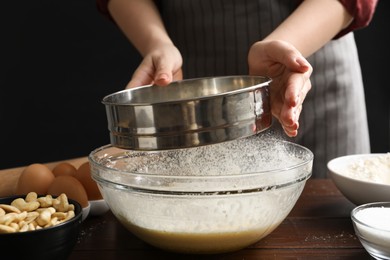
[[362, 178], [98, 207], [86, 211], [372, 226]]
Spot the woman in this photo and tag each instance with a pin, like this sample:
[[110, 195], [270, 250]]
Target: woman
[[184, 38]]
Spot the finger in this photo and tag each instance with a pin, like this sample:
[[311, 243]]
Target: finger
[[298, 86], [164, 71], [286, 118], [288, 55], [142, 76], [294, 89], [291, 131], [136, 83], [306, 88], [178, 75], [297, 63], [297, 114], [289, 116], [163, 79], [304, 65]]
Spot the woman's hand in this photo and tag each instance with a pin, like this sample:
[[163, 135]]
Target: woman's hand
[[161, 66], [290, 73]]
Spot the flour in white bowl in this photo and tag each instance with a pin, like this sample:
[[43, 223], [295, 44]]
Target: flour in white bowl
[[373, 169]]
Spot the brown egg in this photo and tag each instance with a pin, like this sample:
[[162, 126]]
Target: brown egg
[[83, 174], [64, 168], [71, 187], [34, 178]]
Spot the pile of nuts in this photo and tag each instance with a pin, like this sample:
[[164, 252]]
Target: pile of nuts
[[34, 213]]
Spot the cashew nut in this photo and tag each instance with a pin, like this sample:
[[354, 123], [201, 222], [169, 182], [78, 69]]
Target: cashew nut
[[21, 216], [8, 218], [31, 196], [32, 213], [44, 217], [46, 201], [9, 208], [6, 229], [61, 203], [22, 205], [23, 227], [59, 215], [31, 216], [14, 226]]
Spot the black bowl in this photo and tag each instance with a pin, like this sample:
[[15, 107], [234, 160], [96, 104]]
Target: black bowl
[[55, 242]]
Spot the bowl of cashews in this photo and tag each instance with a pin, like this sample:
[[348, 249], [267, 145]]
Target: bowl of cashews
[[40, 226]]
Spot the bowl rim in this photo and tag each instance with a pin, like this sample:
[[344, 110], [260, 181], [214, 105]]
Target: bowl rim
[[95, 161], [104, 147], [337, 172], [385, 204], [77, 218], [107, 100]]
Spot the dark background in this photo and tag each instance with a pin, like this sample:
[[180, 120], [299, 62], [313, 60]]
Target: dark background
[[60, 58]]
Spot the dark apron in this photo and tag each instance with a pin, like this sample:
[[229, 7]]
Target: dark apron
[[214, 37]]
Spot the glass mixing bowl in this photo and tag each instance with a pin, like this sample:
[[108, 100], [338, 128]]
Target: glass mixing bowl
[[210, 199]]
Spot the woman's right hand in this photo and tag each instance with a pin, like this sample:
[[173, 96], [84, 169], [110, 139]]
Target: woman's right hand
[[161, 66]]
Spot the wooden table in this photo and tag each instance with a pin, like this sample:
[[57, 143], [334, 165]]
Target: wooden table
[[318, 227]]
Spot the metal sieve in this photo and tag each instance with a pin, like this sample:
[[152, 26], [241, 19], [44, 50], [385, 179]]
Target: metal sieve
[[188, 113]]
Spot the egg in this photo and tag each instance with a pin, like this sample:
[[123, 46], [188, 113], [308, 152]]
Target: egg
[[35, 177], [83, 174], [71, 187], [64, 168]]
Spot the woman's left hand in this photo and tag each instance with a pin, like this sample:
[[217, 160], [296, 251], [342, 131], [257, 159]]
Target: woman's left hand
[[290, 73]]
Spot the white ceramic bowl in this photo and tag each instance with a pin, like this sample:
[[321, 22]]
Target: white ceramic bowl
[[86, 211], [372, 226], [362, 178], [98, 207]]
